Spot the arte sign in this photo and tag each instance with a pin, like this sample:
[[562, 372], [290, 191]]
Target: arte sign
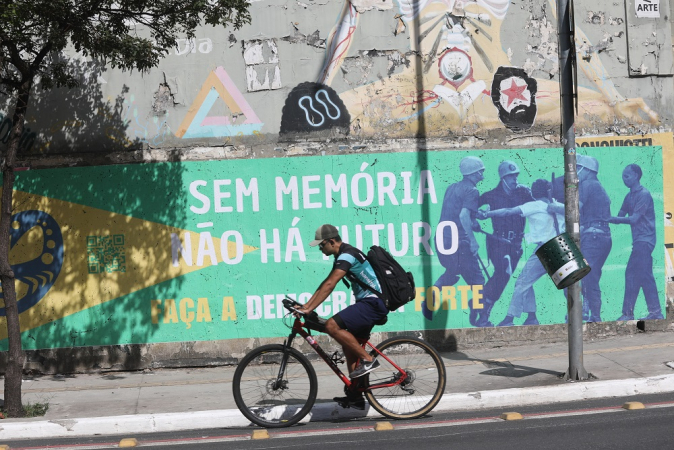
[[647, 8]]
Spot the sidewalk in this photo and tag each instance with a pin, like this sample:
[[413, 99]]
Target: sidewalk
[[173, 399]]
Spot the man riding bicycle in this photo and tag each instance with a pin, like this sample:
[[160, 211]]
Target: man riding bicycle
[[357, 320]]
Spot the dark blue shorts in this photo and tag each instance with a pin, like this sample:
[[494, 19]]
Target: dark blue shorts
[[362, 316]]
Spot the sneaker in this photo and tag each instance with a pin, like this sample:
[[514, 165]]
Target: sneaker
[[624, 317], [507, 322], [531, 319], [364, 367], [355, 402], [483, 321]]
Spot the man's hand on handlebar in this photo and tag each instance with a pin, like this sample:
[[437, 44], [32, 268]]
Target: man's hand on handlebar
[[303, 310], [296, 308]]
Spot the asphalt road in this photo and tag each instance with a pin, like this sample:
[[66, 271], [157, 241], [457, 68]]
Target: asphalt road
[[600, 424]]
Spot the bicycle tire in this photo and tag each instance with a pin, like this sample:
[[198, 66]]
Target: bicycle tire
[[269, 406], [416, 397]]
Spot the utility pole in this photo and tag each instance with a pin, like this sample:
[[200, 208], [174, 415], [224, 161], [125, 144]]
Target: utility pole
[[567, 59]]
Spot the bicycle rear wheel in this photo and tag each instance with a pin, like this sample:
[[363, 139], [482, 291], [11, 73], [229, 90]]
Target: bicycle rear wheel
[[417, 395], [272, 394]]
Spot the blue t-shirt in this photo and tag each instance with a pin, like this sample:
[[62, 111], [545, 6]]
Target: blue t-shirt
[[640, 201], [357, 267]]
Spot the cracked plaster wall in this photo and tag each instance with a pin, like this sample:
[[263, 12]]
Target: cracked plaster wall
[[386, 81]]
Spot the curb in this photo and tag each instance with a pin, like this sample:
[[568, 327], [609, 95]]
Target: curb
[[232, 418]]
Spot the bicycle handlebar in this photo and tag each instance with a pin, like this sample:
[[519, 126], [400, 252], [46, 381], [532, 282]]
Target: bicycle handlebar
[[291, 305]]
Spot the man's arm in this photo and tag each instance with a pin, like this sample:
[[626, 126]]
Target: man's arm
[[324, 290], [503, 212], [467, 224], [624, 218]]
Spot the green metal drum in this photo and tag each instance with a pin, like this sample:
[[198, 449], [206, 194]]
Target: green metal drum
[[563, 261]]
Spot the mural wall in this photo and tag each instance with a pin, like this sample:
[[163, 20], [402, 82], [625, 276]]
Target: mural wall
[[206, 250], [360, 69]]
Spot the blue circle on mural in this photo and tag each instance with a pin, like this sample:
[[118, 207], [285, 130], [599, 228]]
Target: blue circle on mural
[[41, 272]]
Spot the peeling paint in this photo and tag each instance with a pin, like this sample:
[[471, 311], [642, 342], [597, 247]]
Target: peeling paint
[[367, 5], [176, 92], [262, 65], [356, 70], [585, 49], [163, 99], [596, 18], [313, 39], [542, 38], [260, 52]]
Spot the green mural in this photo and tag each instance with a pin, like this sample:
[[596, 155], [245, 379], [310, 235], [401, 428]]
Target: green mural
[[206, 250]]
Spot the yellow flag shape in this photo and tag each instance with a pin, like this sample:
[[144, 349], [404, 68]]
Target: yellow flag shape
[[141, 256]]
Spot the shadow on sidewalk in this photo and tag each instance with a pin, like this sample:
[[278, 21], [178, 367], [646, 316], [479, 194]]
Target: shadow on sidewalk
[[501, 368]]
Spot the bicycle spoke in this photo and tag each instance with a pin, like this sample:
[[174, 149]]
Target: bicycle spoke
[[268, 401], [419, 392]]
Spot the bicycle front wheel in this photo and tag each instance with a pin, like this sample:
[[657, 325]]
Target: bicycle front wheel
[[420, 392], [275, 386]]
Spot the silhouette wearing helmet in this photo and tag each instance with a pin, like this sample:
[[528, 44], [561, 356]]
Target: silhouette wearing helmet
[[595, 234], [460, 206], [504, 245]]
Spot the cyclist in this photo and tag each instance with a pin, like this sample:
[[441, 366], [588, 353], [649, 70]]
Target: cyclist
[[357, 320]]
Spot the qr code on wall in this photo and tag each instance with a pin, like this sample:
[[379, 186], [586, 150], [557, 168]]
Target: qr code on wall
[[106, 254]]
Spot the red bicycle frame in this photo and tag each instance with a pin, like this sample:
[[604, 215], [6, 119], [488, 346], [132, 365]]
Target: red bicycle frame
[[299, 328]]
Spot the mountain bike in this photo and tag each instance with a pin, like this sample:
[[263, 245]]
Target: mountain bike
[[276, 386]]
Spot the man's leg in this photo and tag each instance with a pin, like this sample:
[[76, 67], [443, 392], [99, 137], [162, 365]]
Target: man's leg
[[470, 270], [505, 258], [648, 284], [357, 320], [523, 295], [632, 285], [353, 351], [352, 399], [596, 247], [496, 253], [448, 278], [536, 271]]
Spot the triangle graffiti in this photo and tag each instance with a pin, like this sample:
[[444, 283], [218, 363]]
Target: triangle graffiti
[[197, 123]]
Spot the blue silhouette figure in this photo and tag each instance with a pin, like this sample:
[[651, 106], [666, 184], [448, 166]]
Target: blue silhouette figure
[[460, 206], [595, 235], [504, 245], [638, 211]]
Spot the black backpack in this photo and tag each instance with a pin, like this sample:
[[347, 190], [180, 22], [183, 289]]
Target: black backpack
[[396, 284]]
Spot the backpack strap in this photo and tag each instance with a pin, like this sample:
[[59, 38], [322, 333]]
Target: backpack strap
[[365, 286]]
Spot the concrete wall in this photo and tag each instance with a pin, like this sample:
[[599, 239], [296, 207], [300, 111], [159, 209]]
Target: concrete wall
[[363, 80]]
